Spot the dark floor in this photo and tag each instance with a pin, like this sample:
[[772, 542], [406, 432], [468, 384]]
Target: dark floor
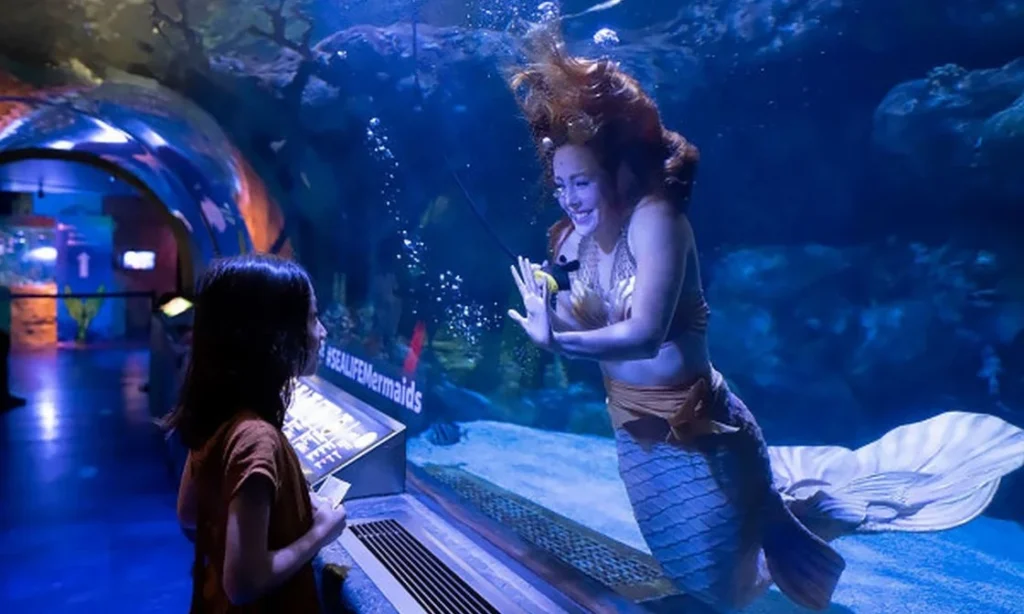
[[87, 520]]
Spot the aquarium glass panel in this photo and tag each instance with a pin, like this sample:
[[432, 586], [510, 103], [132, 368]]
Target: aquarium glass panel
[[28, 252]]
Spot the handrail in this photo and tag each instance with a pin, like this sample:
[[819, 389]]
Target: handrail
[[131, 294]]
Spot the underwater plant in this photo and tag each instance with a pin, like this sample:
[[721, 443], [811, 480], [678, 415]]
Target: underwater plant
[[555, 375], [456, 355], [336, 316], [518, 362]]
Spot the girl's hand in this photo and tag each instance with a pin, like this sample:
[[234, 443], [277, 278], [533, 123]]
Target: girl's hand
[[332, 519], [535, 294]]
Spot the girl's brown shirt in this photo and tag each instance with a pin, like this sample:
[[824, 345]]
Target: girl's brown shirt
[[250, 447]]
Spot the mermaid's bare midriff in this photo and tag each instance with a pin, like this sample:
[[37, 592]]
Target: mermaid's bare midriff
[[679, 362]]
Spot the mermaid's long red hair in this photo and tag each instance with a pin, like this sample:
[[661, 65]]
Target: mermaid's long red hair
[[595, 104]]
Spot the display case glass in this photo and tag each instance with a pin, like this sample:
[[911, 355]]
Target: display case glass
[[331, 430], [326, 435]]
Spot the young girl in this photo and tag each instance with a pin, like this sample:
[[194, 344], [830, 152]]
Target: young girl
[[242, 492]]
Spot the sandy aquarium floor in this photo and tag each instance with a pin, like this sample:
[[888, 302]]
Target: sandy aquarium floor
[[975, 568]]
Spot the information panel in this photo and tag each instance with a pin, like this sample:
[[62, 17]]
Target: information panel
[[325, 435]]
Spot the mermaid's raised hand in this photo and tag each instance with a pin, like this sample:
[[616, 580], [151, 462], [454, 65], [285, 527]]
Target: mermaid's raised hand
[[537, 321]]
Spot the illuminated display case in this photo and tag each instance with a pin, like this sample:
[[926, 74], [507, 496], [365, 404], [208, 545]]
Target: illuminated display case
[[336, 434], [170, 326], [169, 343]]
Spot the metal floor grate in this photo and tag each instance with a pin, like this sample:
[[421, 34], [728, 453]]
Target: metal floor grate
[[431, 583], [629, 572]]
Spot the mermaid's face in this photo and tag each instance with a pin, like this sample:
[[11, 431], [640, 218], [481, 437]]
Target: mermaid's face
[[582, 187]]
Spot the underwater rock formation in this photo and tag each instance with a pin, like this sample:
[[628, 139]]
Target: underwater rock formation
[[758, 85], [957, 137], [365, 69], [753, 82], [852, 336], [672, 49]]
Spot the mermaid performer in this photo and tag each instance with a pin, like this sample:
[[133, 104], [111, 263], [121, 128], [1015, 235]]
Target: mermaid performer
[[724, 514]]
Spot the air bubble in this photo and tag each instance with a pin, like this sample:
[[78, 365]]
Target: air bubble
[[547, 11], [606, 37]]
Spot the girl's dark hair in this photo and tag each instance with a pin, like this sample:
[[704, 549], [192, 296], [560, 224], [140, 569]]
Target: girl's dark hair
[[250, 338]]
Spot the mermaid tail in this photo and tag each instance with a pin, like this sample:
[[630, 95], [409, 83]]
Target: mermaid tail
[[926, 476], [710, 516], [725, 515]]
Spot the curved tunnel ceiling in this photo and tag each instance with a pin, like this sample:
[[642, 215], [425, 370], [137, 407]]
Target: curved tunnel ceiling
[[152, 139]]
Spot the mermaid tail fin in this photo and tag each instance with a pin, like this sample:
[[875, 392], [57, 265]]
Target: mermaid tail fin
[[927, 476], [805, 568]]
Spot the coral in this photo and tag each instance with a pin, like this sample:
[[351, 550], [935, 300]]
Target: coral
[[953, 138], [945, 77], [863, 329], [335, 314], [1002, 136], [991, 369]]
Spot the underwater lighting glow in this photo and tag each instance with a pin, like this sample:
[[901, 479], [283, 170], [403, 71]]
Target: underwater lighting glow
[[42, 254], [153, 138], [108, 134], [181, 218]]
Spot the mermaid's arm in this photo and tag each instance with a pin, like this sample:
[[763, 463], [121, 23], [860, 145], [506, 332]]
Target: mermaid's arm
[[660, 239]]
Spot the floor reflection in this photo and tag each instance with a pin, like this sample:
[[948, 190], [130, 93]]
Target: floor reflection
[[46, 411], [86, 502]]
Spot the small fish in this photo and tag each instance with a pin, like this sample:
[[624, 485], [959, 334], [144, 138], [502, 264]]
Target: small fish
[[444, 434]]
